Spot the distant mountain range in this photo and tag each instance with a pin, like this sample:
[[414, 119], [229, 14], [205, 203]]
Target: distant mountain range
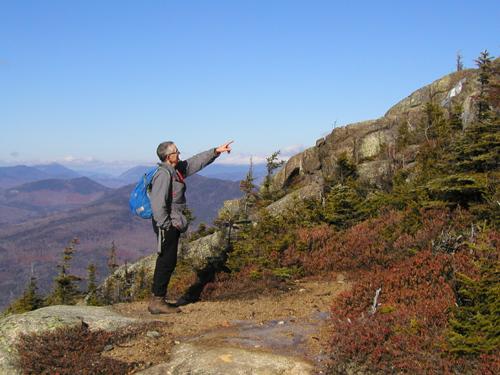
[[55, 170], [35, 199], [12, 176], [81, 185], [21, 174], [38, 219]]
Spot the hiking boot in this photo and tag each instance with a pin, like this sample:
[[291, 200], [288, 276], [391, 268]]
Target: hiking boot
[[157, 305], [186, 300]]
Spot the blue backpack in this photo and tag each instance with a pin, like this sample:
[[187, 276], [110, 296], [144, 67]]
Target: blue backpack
[[139, 202]]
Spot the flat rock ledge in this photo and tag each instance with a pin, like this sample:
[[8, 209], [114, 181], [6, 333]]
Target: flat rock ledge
[[49, 319], [197, 360]]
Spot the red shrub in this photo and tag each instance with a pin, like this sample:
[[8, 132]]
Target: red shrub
[[407, 331], [248, 283], [76, 350], [374, 242]]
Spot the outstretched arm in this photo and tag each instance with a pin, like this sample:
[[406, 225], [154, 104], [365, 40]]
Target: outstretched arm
[[196, 163]]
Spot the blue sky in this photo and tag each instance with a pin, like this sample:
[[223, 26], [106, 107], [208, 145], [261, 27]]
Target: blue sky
[[88, 82]]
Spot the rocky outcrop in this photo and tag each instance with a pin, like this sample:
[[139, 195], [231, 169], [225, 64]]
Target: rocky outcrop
[[311, 191], [460, 85], [127, 283], [368, 143], [207, 360], [205, 250], [49, 319], [307, 162]]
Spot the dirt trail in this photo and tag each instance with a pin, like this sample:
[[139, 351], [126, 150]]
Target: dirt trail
[[291, 323]]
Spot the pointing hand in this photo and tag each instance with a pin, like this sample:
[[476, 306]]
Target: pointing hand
[[224, 148]]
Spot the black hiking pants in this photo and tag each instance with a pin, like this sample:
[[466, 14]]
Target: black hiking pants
[[166, 261]]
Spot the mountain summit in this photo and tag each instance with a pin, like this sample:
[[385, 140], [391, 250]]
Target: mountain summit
[[372, 144]]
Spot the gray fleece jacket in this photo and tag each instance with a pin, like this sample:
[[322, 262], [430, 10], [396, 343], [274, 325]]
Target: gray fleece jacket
[[168, 190]]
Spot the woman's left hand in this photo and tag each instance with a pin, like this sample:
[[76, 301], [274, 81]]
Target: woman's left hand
[[224, 148]]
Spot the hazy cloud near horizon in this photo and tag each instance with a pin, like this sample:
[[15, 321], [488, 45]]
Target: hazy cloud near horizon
[[94, 163]]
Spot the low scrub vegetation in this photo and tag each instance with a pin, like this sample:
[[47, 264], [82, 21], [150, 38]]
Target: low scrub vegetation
[[76, 350]]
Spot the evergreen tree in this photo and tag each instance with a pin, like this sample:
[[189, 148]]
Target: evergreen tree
[[462, 172], [29, 301], [460, 63], [494, 87], [455, 118], [127, 282], [110, 290], [248, 188], [475, 326], [202, 230], [345, 169], [484, 63], [434, 125], [272, 163], [342, 206], [65, 288], [112, 262], [478, 149], [188, 213], [435, 135], [92, 299], [404, 137], [141, 285]]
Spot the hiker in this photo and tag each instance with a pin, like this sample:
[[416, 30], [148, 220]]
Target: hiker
[[168, 202]]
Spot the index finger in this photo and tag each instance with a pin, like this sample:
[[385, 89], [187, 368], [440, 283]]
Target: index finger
[[228, 143]]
